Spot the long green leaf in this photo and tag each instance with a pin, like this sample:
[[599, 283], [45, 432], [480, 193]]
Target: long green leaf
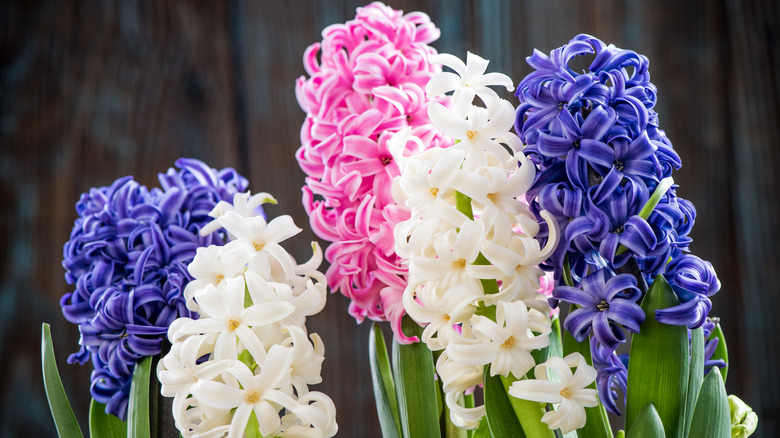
[[103, 425], [695, 377], [138, 409], [64, 418], [648, 424], [711, 418], [384, 388], [597, 423], [721, 351], [415, 386], [658, 363], [501, 417]]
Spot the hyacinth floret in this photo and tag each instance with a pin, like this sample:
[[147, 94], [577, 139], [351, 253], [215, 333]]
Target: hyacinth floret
[[127, 256], [368, 84]]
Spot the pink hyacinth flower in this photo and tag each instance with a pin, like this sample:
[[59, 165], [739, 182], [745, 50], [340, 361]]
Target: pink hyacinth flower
[[369, 83]]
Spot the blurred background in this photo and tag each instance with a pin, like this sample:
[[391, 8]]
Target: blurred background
[[94, 90]]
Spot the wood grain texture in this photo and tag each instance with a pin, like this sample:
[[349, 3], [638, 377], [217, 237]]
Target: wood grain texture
[[91, 91]]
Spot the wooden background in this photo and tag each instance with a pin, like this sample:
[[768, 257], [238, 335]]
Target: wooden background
[[94, 90]]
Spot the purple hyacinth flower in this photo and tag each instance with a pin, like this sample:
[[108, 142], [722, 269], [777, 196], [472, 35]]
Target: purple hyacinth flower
[[606, 307], [710, 346], [612, 375], [694, 281], [127, 256]]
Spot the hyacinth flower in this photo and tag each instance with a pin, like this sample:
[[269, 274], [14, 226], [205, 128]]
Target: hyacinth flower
[[246, 364], [472, 253], [604, 172], [369, 83], [127, 257]]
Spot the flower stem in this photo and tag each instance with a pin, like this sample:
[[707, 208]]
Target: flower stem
[[529, 413]]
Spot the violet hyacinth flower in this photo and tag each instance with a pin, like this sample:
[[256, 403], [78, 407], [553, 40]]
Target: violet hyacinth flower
[[694, 281], [128, 255], [606, 307], [368, 84], [595, 135], [612, 375], [710, 345]]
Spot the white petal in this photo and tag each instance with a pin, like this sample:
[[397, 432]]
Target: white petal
[[542, 391], [218, 395]]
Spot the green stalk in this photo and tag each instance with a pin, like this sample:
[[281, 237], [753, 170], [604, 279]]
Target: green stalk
[[529, 413]]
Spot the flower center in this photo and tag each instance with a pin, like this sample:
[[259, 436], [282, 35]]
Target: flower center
[[603, 306], [233, 324], [435, 191], [492, 197], [446, 317], [387, 160], [509, 342], [618, 165], [258, 246], [565, 393], [471, 134], [252, 397], [460, 263], [219, 277]]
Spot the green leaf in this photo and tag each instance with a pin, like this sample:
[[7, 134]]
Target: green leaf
[[103, 425], [384, 388], [695, 377], [711, 418], [415, 385], [658, 363], [64, 418], [647, 424], [721, 351], [597, 423], [252, 429], [501, 417], [138, 410]]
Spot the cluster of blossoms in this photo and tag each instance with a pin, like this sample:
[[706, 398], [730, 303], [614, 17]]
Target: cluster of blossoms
[[247, 361], [369, 84], [605, 175], [472, 254], [127, 256]]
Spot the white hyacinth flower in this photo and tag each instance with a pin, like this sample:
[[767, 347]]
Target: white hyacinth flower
[[570, 393], [470, 243], [249, 355]]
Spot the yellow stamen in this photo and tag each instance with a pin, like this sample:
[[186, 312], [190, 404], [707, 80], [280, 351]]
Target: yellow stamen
[[471, 134], [252, 397], [258, 246], [565, 393], [233, 325], [435, 191], [509, 342], [492, 197], [460, 263]]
